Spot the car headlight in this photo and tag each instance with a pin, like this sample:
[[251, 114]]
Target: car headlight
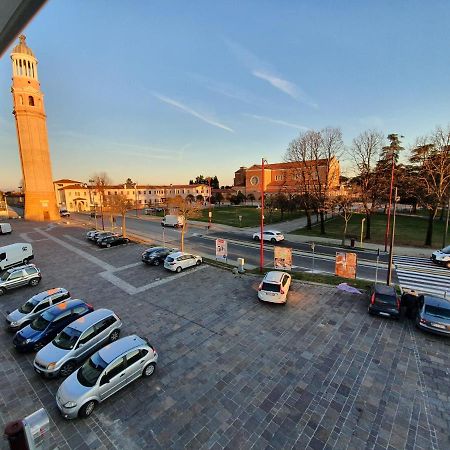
[[51, 365], [14, 324], [27, 341], [70, 404]]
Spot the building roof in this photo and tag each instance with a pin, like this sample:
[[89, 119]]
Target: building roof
[[66, 180], [289, 165], [22, 47], [72, 186]]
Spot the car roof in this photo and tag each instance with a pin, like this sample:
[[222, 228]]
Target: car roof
[[84, 322], [383, 289], [45, 294], [274, 276], [65, 305], [272, 231], [23, 266], [177, 254], [430, 300], [111, 351]]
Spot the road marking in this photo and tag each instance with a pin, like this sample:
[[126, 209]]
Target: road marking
[[79, 252], [77, 241], [129, 266], [131, 290]]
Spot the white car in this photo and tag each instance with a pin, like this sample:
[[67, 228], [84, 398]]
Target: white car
[[178, 261], [442, 257], [269, 235], [274, 287]]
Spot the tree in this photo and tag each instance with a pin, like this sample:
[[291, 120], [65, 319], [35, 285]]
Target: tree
[[100, 181], [218, 197], [129, 183], [190, 198], [431, 157], [251, 197], [344, 205], [365, 151], [281, 202], [119, 204], [189, 210], [200, 198]]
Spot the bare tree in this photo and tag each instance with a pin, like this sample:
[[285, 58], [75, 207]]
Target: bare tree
[[365, 151], [187, 209], [344, 205], [119, 204], [431, 157]]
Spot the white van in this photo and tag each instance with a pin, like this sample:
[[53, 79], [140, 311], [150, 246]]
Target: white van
[[171, 220], [5, 228], [15, 254]]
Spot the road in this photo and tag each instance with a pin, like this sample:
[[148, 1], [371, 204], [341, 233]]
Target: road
[[240, 245]]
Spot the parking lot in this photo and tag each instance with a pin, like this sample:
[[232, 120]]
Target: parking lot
[[232, 372]]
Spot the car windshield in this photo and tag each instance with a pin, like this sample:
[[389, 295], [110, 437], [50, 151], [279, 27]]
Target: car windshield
[[169, 259], [91, 370], [40, 323], [437, 311], [271, 287], [28, 306], [446, 250], [383, 298], [67, 338], [4, 276]]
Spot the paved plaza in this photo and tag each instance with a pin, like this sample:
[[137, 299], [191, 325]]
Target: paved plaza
[[318, 373]]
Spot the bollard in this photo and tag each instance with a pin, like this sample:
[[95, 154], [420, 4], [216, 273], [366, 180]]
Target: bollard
[[240, 262]]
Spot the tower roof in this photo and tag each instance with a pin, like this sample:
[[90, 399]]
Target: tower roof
[[22, 46]]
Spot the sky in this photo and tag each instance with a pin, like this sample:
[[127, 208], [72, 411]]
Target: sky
[[164, 90]]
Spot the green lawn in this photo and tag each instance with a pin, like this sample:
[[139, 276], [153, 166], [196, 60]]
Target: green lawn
[[250, 216], [409, 230]]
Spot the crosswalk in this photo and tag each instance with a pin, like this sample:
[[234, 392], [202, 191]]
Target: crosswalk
[[422, 275]]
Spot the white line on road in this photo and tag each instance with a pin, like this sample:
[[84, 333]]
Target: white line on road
[[77, 241]]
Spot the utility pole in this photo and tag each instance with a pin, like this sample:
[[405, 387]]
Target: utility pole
[[261, 241], [444, 239], [391, 246]]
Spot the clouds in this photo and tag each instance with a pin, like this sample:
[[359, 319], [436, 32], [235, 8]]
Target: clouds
[[188, 110], [276, 121], [262, 70]]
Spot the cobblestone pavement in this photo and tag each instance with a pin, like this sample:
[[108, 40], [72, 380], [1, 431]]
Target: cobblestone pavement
[[234, 373]]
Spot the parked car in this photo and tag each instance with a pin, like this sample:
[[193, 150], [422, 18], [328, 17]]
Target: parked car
[[274, 287], [64, 213], [104, 373], [269, 235], [93, 235], [178, 261], [434, 314], [172, 220], [110, 241], [75, 343], [103, 235], [15, 277], [36, 305], [384, 301], [442, 257], [15, 255], [5, 228], [156, 255], [49, 323]]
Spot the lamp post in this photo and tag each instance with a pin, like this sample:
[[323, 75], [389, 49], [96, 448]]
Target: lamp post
[[444, 238], [391, 246], [261, 241], [135, 198], [209, 198]]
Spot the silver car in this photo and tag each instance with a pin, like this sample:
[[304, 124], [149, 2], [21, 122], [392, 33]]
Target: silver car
[[104, 373], [24, 315], [75, 343], [19, 276]]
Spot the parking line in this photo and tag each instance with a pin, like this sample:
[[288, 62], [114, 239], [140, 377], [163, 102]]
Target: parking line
[[79, 252]]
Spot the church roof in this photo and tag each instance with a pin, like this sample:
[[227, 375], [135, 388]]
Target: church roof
[[22, 46]]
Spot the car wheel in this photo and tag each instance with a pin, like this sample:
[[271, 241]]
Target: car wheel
[[126, 241], [179, 269], [26, 261], [87, 409], [149, 370], [67, 369], [38, 346], [156, 262], [198, 262], [2, 291], [114, 335], [34, 282], [256, 238], [108, 245], [273, 240]]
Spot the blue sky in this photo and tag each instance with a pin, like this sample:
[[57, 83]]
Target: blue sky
[[161, 91]]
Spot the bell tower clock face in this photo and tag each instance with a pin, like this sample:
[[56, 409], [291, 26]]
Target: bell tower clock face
[[254, 180]]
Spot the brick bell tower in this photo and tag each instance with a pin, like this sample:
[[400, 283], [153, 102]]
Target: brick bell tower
[[31, 123]]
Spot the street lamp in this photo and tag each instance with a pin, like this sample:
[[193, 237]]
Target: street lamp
[[135, 199], [444, 238], [90, 199], [261, 241], [391, 246], [209, 198]]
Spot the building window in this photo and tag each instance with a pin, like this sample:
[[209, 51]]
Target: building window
[[30, 100]]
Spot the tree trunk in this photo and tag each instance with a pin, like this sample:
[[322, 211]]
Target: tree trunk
[[308, 219], [368, 216], [322, 223], [344, 236], [431, 216], [124, 226], [441, 217], [183, 229]]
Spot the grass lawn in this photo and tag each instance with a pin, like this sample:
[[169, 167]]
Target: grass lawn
[[250, 216], [409, 230]]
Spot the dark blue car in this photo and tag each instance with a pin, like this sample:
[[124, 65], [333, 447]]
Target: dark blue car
[[47, 325]]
